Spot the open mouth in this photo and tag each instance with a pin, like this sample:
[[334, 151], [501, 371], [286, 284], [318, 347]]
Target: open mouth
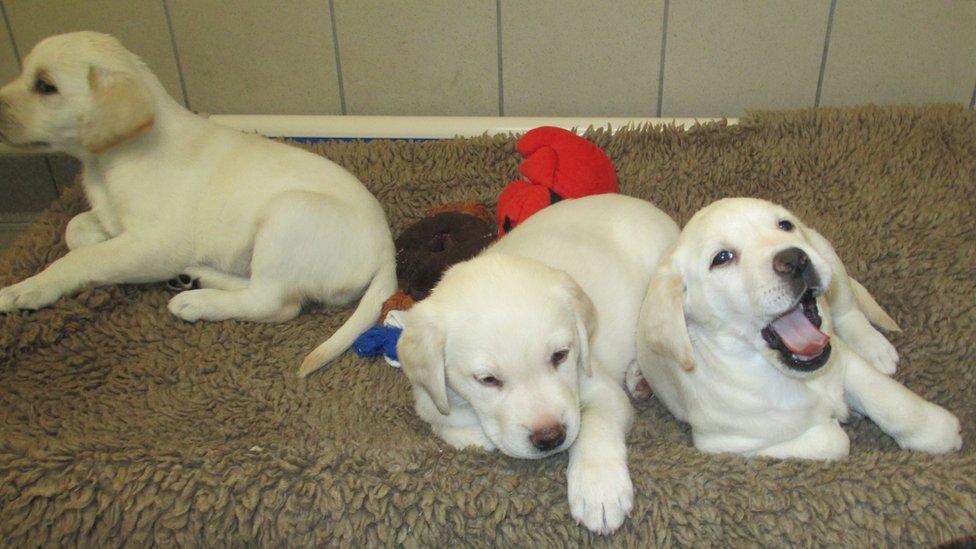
[[797, 337]]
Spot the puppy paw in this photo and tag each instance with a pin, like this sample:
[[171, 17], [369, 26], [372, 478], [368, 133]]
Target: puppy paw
[[182, 283], [84, 230], [465, 437], [27, 295], [637, 386], [601, 495], [192, 305], [875, 348], [938, 432]]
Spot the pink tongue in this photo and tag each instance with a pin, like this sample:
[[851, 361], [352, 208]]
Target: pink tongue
[[799, 334]]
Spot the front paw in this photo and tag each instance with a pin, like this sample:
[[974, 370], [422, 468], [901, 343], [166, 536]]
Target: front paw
[[875, 348], [83, 230], [601, 495], [465, 437], [27, 295], [191, 305], [938, 432]]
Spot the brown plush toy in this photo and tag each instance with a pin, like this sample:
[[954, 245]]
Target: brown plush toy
[[427, 248]]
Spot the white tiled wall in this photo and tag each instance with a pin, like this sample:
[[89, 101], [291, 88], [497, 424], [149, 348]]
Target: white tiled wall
[[743, 54], [581, 57], [239, 58], [884, 51], [511, 57], [428, 57]]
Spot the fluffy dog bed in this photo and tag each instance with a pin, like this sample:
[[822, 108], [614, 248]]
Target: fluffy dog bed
[[121, 424]]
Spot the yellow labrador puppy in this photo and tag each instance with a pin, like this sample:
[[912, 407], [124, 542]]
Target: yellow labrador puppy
[[263, 226], [752, 332], [525, 348]]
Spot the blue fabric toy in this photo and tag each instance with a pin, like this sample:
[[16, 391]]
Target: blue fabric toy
[[378, 340]]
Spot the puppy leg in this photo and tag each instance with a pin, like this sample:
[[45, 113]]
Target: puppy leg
[[259, 302], [84, 229], [853, 311], [209, 277], [853, 327], [263, 299], [463, 437], [822, 442], [601, 494], [304, 249], [125, 258], [913, 422]]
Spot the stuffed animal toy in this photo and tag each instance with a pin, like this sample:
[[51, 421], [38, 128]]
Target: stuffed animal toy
[[558, 164], [427, 248]]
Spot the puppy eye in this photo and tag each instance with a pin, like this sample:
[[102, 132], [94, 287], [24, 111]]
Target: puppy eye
[[722, 258], [489, 381], [44, 87], [559, 357], [785, 225]]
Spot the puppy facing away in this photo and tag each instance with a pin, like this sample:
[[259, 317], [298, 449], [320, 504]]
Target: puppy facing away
[[524, 348], [262, 225], [753, 333]]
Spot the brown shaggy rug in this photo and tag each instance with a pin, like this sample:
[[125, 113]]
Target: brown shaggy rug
[[121, 424]]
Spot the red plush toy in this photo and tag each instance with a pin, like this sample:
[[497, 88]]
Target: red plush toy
[[558, 164]]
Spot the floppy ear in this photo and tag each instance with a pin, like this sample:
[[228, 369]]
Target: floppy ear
[[421, 354], [586, 324], [662, 320], [875, 314], [848, 292], [122, 108]]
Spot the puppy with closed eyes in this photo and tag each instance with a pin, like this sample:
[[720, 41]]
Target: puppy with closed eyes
[[753, 333], [263, 226], [525, 347]]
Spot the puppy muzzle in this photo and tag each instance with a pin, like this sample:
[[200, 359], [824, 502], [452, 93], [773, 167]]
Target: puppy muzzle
[[794, 267]]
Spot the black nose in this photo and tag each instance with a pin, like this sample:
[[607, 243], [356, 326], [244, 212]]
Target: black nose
[[548, 437], [791, 262]]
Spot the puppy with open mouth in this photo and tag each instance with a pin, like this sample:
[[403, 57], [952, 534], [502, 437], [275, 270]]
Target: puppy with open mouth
[[525, 348], [753, 333]]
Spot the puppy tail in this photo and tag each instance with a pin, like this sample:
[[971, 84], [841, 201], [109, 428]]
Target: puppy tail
[[381, 287]]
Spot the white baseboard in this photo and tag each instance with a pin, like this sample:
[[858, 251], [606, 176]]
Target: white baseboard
[[425, 127]]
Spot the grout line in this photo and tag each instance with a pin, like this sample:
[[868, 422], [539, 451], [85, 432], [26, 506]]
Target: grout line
[[664, 49], [338, 62], [826, 49], [50, 174], [10, 33], [176, 54], [972, 100], [501, 81]]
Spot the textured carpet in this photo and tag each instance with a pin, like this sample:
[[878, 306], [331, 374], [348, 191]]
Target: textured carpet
[[121, 424]]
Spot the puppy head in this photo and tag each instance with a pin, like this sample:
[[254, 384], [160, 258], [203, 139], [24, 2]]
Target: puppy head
[[746, 269], [509, 336], [78, 92]]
